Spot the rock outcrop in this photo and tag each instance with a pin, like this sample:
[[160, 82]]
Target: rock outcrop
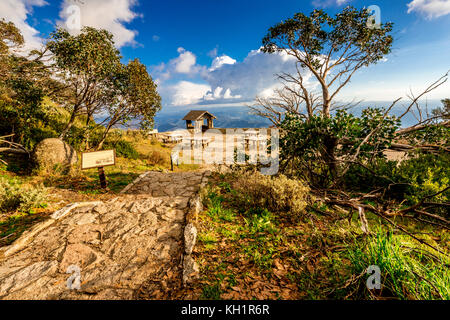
[[126, 248], [51, 152]]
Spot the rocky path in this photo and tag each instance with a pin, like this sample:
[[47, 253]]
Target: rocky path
[[127, 248]]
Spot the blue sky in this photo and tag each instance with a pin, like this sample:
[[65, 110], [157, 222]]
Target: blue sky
[[206, 52]]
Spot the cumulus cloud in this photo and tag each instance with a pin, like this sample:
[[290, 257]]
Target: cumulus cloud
[[430, 8], [17, 11], [225, 81], [255, 75], [111, 15], [186, 92], [184, 64], [220, 61], [185, 61]]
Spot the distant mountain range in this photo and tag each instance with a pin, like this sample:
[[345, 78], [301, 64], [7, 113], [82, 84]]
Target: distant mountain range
[[227, 117], [170, 118]]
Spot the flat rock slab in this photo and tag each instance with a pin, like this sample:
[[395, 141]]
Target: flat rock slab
[[115, 249], [159, 184]]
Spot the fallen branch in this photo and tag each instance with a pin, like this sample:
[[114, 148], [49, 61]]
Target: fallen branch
[[354, 204]]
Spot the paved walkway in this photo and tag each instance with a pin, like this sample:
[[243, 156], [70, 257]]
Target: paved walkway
[[126, 248]]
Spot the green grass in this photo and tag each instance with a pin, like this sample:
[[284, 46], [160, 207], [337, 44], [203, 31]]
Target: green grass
[[324, 257], [13, 227], [211, 292], [215, 209], [409, 271]]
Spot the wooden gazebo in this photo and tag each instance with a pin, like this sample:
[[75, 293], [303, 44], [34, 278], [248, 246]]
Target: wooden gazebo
[[195, 119]]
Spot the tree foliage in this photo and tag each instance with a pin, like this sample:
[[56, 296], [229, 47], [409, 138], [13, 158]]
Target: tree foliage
[[86, 63], [136, 97], [24, 82], [303, 142], [98, 83], [331, 48]]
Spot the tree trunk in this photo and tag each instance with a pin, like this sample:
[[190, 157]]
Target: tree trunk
[[88, 120], [69, 125], [102, 140], [326, 102], [329, 155]]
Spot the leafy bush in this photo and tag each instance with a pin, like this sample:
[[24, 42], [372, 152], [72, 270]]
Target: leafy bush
[[312, 146], [15, 197], [157, 158], [277, 194], [123, 149], [406, 272], [415, 178], [428, 174]]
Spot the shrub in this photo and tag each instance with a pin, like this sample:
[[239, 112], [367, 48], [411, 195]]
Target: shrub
[[417, 177], [310, 147], [123, 149], [15, 197], [157, 158], [277, 194], [428, 174]]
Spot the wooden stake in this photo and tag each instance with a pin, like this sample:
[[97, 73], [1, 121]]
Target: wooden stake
[[101, 174]]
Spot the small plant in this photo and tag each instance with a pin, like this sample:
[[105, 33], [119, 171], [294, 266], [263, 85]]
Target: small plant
[[207, 238], [277, 194], [123, 149], [260, 220], [216, 210], [15, 197], [211, 292]]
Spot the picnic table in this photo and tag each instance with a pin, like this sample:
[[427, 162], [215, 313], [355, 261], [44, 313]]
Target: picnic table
[[203, 141], [173, 137]]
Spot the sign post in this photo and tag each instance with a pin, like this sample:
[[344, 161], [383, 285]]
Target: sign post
[[101, 174], [98, 159]]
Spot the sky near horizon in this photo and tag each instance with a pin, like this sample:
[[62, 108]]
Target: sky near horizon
[[205, 53]]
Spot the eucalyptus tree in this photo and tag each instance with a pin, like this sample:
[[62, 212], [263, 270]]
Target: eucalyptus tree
[[86, 64], [136, 98], [332, 49], [24, 81]]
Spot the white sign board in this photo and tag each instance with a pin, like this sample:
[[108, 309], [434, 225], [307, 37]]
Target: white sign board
[[98, 159]]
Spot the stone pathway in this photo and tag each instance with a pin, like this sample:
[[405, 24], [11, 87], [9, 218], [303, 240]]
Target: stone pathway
[[126, 248]]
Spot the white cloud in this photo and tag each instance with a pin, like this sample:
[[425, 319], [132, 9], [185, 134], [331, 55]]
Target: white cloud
[[225, 81], [184, 64], [185, 61], [430, 8], [155, 38], [255, 75], [111, 15], [219, 61], [17, 11], [186, 93]]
